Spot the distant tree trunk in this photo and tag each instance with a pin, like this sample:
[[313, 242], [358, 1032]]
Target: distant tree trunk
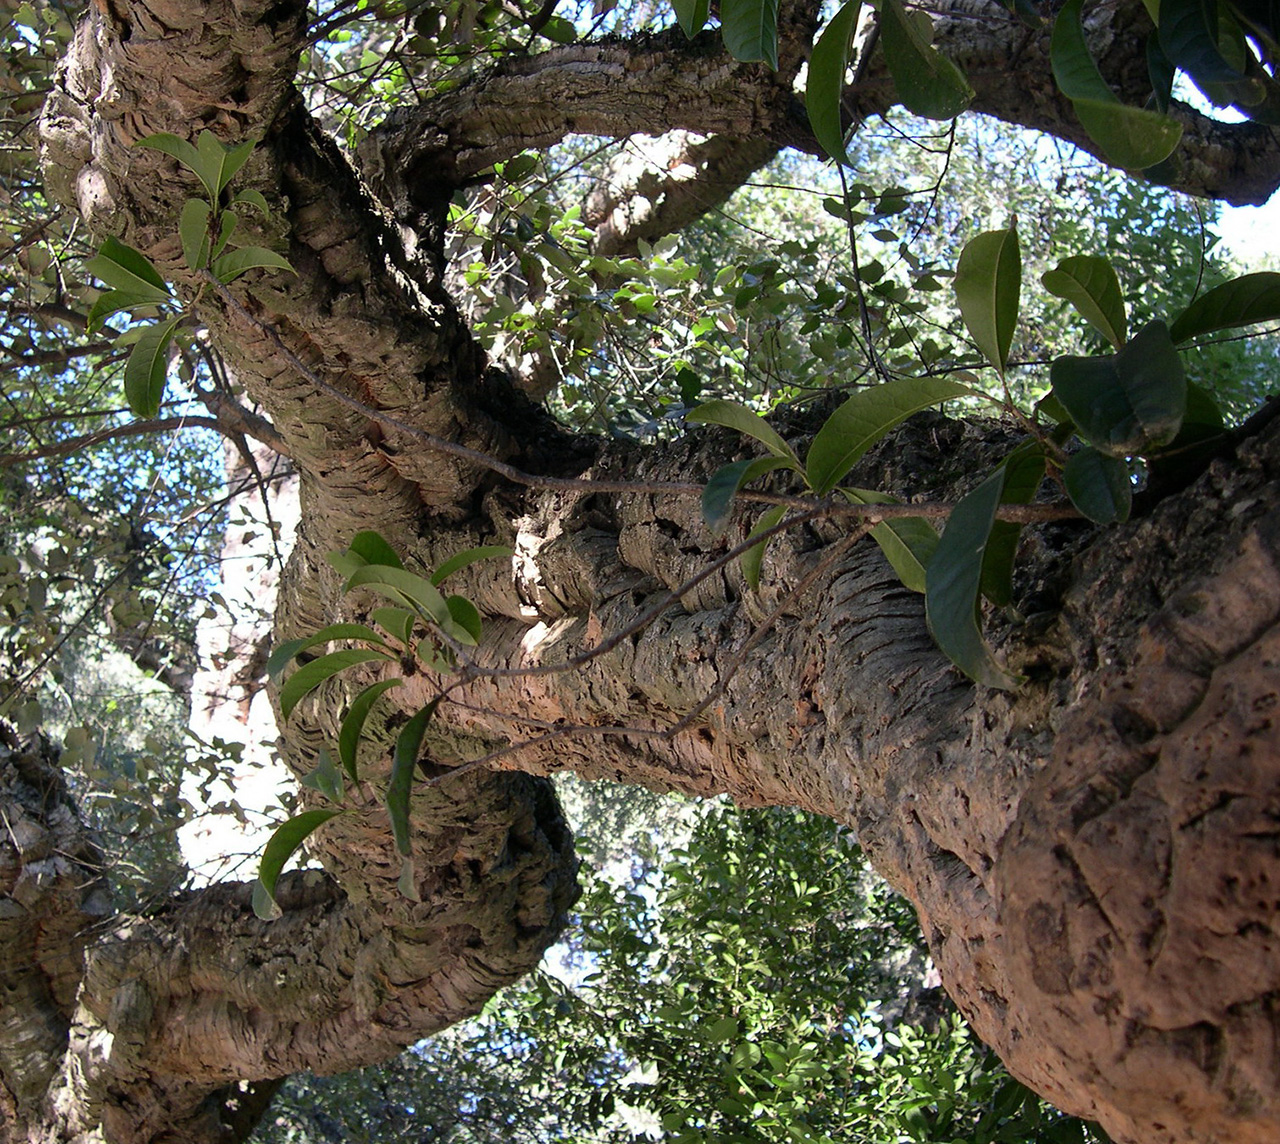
[[1093, 858]]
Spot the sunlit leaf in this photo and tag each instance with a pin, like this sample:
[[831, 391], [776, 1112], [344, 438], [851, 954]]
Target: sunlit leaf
[[310, 675], [1243, 301], [404, 762], [401, 586], [988, 287], [954, 581], [221, 160], [186, 153], [1090, 284], [865, 418], [1099, 486], [353, 723], [466, 626], [734, 416], [147, 369], [282, 846], [398, 621], [926, 81], [825, 85]]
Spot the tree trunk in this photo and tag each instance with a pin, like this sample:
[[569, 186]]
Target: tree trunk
[[1093, 858]]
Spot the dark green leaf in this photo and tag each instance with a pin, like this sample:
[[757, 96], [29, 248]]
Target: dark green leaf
[[405, 760], [734, 416], [1090, 284], [1127, 403], [373, 549], [725, 1029], [147, 369], [753, 558], [988, 288], [226, 227], [467, 626], [1243, 301], [112, 302], [908, 542], [401, 586], [865, 418], [461, 560], [282, 846], [127, 270], [750, 30], [1161, 71], [193, 229], [310, 675], [1189, 36], [325, 778], [288, 650], [236, 262], [1024, 470], [559, 30], [927, 82], [1099, 486], [354, 720], [692, 15], [953, 589], [724, 484], [825, 85]]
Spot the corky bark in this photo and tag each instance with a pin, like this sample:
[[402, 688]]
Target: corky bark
[[1093, 857]]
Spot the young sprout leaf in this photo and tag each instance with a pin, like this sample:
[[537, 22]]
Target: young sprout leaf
[[193, 229], [280, 848], [230, 266]]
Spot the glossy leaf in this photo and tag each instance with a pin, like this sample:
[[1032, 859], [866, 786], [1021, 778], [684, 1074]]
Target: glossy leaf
[[865, 418], [1090, 284], [282, 846], [908, 543], [825, 85], [753, 558], [401, 586], [734, 416], [403, 764], [310, 675], [1129, 402], [750, 30], [325, 778], [470, 556], [193, 230], [353, 723], [231, 265], [1243, 301], [717, 497], [692, 15], [988, 289], [926, 81], [373, 549], [466, 626], [1099, 486], [953, 588], [147, 369], [290, 649], [1131, 137], [127, 270], [1023, 471]]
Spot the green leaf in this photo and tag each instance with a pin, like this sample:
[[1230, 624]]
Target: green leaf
[[189, 157], [226, 227], [692, 15], [1024, 470], [908, 542], [725, 1029], [288, 650], [1131, 137], [1129, 402], [401, 586], [1099, 486], [254, 199], [325, 778], [753, 558], [310, 675], [750, 30], [461, 560], [734, 416], [1090, 284], [221, 160], [112, 302], [467, 626], [927, 82], [129, 271], [236, 262], [407, 884], [1241, 302], [193, 229], [282, 846], [354, 720], [398, 621], [373, 549], [988, 288], [346, 564], [724, 484], [825, 85], [865, 418], [953, 588], [1190, 37], [147, 369], [408, 743]]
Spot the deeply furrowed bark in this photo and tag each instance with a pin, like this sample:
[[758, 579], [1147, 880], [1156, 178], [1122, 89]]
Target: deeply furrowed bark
[[1093, 858]]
